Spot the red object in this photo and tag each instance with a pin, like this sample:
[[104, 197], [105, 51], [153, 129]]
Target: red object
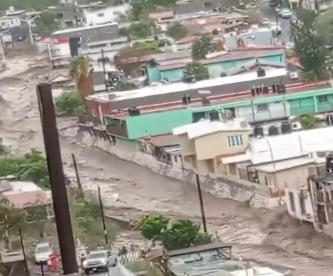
[[53, 263]]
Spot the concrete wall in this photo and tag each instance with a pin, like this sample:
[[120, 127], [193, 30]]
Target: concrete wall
[[225, 187], [186, 145], [292, 178]]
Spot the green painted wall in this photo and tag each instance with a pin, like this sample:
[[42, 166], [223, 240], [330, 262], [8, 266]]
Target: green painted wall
[[157, 123]]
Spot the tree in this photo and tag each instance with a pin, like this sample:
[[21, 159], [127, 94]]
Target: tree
[[46, 24], [11, 219], [179, 234], [308, 121], [139, 30], [31, 167], [325, 26], [81, 73], [201, 47], [308, 44], [176, 31], [195, 70], [152, 226], [70, 103], [183, 233]]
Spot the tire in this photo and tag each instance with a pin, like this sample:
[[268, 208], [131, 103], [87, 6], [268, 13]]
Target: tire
[[86, 271]]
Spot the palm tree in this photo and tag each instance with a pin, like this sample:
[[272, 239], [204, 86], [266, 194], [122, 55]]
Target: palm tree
[[81, 73]]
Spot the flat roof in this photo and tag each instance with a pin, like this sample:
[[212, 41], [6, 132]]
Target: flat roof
[[206, 127], [284, 165], [199, 248], [78, 29], [161, 89]]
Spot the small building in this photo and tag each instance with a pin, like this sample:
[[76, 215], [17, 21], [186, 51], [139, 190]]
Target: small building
[[67, 14], [204, 143], [218, 64]]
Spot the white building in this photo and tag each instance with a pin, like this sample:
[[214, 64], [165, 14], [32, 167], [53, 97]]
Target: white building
[[106, 15], [7, 22]]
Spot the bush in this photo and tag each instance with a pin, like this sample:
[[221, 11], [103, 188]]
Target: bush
[[70, 103], [139, 30], [308, 121], [179, 234], [124, 86], [32, 167], [177, 31], [152, 226]]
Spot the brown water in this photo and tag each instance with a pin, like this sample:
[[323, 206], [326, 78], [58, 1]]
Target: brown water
[[130, 190]]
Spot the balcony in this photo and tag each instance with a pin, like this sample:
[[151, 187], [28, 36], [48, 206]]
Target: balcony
[[117, 130]]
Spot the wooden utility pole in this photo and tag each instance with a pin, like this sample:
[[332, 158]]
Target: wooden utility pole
[[203, 217], [103, 217], [77, 176], [23, 252], [57, 179]]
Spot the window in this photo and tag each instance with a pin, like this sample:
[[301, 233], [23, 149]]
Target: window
[[207, 4], [292, 201], [323, 99], [175, 158], [235, 140], [262, 107]]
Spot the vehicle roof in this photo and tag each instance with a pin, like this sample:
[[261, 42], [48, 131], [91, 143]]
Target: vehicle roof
[[98, 251], [42, 244]]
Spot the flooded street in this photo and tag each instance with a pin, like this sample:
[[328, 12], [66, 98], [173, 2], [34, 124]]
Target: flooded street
[[130, 190]]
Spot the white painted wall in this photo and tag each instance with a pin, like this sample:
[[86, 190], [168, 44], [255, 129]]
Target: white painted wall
[[102, 16], [9, 22], [297, 213]]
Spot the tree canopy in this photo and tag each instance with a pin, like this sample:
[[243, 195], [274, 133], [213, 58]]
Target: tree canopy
[[139, 30], [176, 31], [309, 44], [196, 71], [46, 24], [31, 167], [70, 103], [202, 46], [325, 26], [173, 234]]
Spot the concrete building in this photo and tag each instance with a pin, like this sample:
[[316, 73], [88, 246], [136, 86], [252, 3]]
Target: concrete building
[[204, 143], [98, 16]]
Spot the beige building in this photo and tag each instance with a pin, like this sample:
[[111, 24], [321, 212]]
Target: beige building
[[205, 142]]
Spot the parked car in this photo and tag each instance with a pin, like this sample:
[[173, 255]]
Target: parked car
[[98, 261], [285, 13], [43, 251]]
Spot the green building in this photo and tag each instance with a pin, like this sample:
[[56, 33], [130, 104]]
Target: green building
[[254, 110]]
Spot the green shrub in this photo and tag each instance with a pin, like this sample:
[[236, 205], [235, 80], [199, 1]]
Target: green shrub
[[70, 103]]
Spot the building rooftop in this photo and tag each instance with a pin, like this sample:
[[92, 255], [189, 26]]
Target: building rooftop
[[161, 89], [79, 29], [202, 128], [286, 146], [284, 165]]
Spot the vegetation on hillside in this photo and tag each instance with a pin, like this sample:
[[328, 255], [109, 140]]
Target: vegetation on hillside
[[37, 5], [139, 30], [46, 24], [31, 167], [176, 31], [309, 44], [174, 234], [70, 103]]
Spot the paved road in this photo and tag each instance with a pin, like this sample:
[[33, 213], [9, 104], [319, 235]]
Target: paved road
[[270, 13]]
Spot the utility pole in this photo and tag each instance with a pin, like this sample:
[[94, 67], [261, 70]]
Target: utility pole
[[77, 176], [103, 217], [57, 179], [203, 217], [103, 60], [23, 252]]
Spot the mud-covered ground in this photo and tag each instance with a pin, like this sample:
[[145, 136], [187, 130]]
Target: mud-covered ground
[[130, 190]]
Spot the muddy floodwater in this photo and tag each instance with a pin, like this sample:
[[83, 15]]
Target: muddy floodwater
[[130, 190]]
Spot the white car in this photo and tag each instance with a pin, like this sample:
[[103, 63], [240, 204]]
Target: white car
[[285, 14], [99, 261], [43, 251]]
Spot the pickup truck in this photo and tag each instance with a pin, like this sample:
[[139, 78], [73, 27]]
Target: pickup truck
[[98, 261]]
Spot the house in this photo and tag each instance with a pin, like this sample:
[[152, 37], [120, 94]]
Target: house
[[219, 64], [23, 195], [80, 36], [67, 14], [196, 6], [104, 15], [204, 143]]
